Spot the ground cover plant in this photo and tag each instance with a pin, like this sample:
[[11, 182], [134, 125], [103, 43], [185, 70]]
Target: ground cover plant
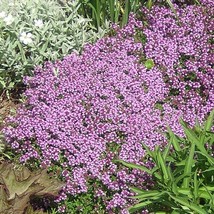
[[86, 110], [32, 32], [183, 173]]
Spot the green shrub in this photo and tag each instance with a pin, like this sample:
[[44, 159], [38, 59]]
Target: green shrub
[[183, 173], [34, 31]]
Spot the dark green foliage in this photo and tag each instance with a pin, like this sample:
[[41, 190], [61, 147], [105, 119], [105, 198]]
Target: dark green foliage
[[86, 203], [183, 173]]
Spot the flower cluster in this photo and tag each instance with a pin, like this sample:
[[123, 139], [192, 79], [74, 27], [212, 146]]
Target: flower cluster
[[8, 19], [88, 109], [181, 49]]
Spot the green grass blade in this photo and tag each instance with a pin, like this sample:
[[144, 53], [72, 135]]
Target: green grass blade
[[209, 169], [207, 128], [209, 122], [137, 190], [181, 163], [98, 12], [111, 4], [135, 6], [146, 194], [192, 137], [196, 185], [117, 11], [95, 14], [174, 140], [166, 151], [126, 12], [208, 191], [188, 166], [149, 4], [134, 166], [162, 164], [188, 204], [157, 197], [139, 206], [189, 133], [179, 178], [185, 191], [149, 152], [172, 7], [209, 157], [210, 188], [155, 173], [206, 195]]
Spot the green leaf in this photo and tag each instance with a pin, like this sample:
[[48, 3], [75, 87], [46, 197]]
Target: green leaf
[[174, 140], [126, 12], [209, 169], [210, 188], [179, 178], [196, 185], [137, 190], [21, 51], [205, 195], [188, 166], [166, 151], [209, 157], [162, 164], [170, 159], [172, 7], [149, 152], [134, 166], [194, 139], [189, 133], [207, 128], [181, 163], [209, 122], [188, 204], [149, 64], [3, 83], [185, 191], [155, 172], [139, 206], [146, 194], [149, 4], [175, 212], [112, 8]]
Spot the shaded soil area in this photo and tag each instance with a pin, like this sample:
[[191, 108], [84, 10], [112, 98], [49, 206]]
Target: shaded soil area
[[7, 108], [9, 105]]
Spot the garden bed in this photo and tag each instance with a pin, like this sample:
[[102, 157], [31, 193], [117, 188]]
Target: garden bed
[[122, 122]]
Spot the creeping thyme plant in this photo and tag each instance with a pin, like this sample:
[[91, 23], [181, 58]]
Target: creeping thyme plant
[[88, 109], [35, 31]]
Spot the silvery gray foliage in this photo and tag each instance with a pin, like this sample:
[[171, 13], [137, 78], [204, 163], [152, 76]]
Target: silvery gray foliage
[[34, 31]]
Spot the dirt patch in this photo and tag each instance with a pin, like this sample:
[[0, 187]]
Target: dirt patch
[[7, 108]]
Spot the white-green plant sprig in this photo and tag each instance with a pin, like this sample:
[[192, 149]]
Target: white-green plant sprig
[[35, 31]]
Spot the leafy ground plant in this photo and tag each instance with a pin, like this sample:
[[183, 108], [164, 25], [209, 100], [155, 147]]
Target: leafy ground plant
[[32, 32], [117, 11], [183, 173], [114, 10]]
